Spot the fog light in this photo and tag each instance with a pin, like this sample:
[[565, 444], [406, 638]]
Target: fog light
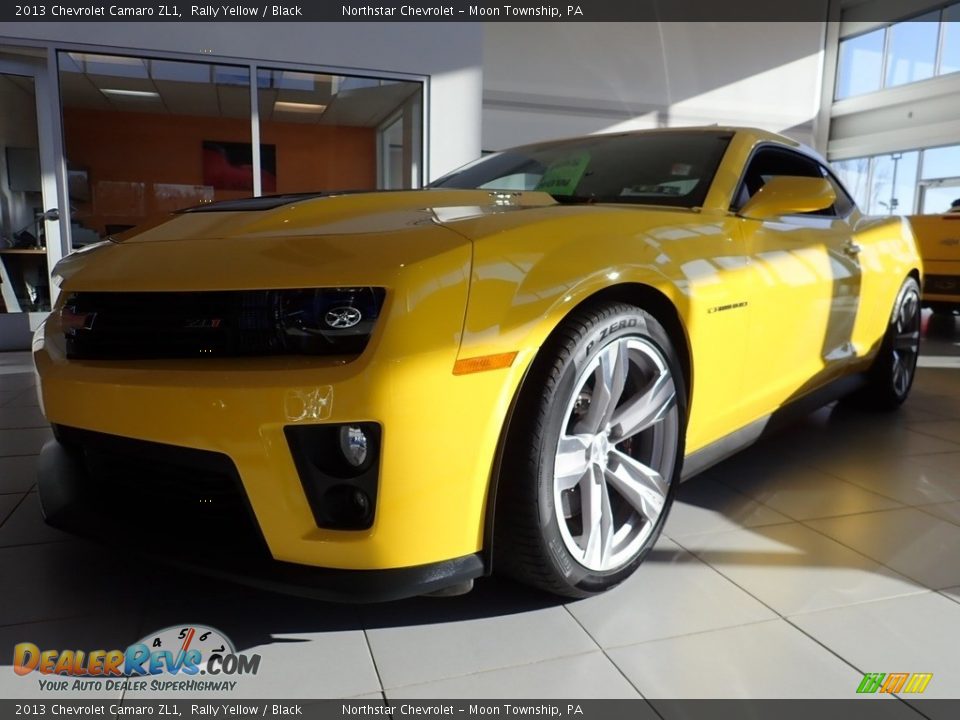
[[361, 502], [339, 470], [354, 445]]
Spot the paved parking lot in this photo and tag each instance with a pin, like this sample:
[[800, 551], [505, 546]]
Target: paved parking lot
[[827, 551]]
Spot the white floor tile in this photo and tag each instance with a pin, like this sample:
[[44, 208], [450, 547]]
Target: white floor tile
[[23, 442], [917, 633], [949, 511], [911, 542], [585, 677], [26, 526], [460, 647], [765, 660], [917, 480], [794, 569], [672, 593], [704, 505], [58, 580], [802, 492], [18, 474], [22, 417], [943, 429]]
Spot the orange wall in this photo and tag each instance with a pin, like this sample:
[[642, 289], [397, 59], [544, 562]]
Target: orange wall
[[149, 148]]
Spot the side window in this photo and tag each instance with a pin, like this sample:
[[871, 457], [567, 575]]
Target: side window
[[773, 162]]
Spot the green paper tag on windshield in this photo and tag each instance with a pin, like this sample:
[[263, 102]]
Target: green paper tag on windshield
[[563, 176]]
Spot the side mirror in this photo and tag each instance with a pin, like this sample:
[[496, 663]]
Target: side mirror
[[788, 195]]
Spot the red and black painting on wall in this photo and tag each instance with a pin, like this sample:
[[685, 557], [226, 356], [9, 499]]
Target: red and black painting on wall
[[229, 166]]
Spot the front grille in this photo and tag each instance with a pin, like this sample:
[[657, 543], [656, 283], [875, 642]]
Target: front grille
[[942, 284], [172, 324], [235, 323], [163, 498]]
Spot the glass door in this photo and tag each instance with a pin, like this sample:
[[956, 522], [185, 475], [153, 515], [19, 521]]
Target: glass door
[[29, 215]]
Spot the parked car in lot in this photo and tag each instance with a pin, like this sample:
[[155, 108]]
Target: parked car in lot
[[938, 237], [377, 395]]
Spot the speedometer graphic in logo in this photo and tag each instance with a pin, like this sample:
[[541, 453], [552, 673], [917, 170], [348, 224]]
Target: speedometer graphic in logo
[[181, 639]]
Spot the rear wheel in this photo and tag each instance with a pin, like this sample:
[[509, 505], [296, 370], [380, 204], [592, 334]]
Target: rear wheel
[[594, 453], [891, 375]]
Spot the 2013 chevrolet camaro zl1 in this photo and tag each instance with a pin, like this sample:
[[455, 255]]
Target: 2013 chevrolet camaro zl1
[[376, 395]]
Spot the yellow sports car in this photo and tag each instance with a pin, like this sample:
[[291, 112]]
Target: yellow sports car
[[938, 237], [378, 395]]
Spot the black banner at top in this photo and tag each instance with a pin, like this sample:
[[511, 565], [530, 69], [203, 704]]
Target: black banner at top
[[458, 11]]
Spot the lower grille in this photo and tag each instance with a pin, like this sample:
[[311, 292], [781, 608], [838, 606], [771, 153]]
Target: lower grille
[[165, 498], [942, 284]]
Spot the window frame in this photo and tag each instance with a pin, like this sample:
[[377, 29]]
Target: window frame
[[820, 164], [885, 53]]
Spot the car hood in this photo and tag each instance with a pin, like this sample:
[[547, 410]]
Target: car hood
[[346, 239]]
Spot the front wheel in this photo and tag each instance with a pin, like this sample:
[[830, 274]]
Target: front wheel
[[594, 453]]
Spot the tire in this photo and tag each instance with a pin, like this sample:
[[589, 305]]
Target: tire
[[891, 375], [571, 463]]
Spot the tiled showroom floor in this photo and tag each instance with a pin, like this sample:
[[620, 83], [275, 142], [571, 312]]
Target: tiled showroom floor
[[829, 550]]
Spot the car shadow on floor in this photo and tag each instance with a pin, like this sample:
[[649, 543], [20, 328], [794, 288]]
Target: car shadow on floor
[[252, 617]]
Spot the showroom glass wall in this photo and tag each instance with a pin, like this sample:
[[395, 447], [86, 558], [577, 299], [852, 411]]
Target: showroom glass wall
[[146, 136], [916, 49], [903, 183]]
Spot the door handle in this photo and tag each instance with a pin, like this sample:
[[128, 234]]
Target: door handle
[[852, 249], [52, 215]]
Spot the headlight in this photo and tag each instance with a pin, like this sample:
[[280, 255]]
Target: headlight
[[329, 320]]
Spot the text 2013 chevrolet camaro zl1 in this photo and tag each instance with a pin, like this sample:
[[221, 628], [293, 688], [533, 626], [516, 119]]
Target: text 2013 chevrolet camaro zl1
[[384, 394]]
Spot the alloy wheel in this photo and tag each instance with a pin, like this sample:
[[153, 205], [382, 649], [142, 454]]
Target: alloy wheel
[[616, 453], [906, 340]]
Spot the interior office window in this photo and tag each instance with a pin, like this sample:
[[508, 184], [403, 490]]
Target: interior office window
[[323, 130], [950, 44], [912, 50], [860, 68], [893, 183], [144, 137], [855, 176]]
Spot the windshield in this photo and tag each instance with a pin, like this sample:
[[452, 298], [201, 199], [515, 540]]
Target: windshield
[[655, 168]]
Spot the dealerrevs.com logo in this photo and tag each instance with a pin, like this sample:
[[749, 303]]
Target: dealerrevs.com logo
[[170, 660]]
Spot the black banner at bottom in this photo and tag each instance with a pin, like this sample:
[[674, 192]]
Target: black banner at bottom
[[865, 708]]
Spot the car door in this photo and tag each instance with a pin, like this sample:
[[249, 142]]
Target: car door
[[805, 288]]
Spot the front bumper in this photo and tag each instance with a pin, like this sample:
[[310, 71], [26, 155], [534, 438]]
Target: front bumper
[[440, 434], [220, 539]]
